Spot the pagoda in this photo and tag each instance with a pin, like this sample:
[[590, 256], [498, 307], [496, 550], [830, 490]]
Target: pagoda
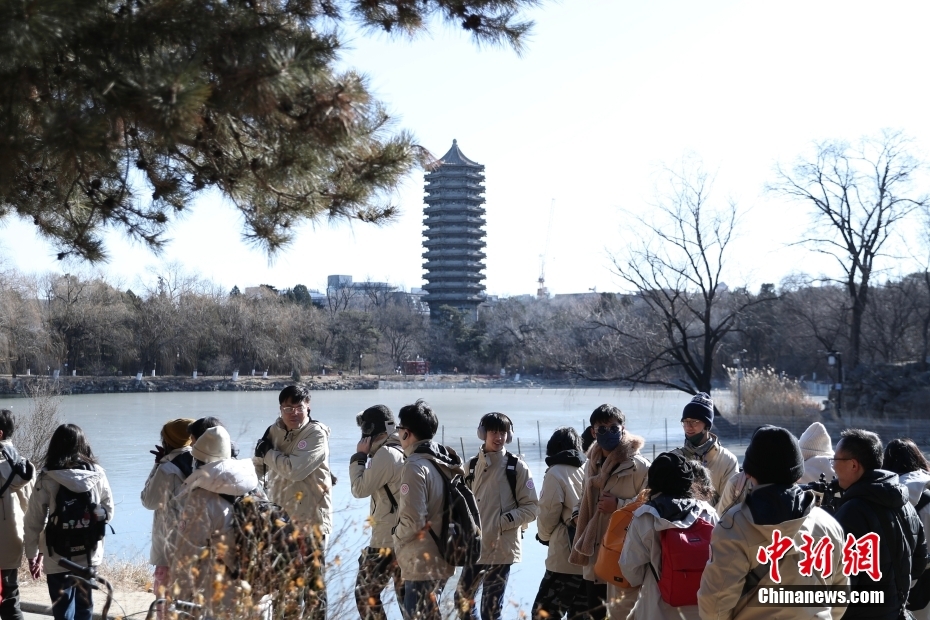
[[454, 239]]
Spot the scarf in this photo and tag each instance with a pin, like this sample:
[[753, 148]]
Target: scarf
[[598, 471], [698, 453]]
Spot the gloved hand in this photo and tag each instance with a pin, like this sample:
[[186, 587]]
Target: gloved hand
[[262, 447], [35, 566], [159, 452], [24, 469], [541, 541], [20, 466], [264, 444]]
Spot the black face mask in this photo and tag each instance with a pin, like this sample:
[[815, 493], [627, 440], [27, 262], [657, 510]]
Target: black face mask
[[697, 440]]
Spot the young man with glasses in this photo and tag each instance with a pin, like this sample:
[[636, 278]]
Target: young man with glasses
[[702, 446], [420, 511], [294, 455], [615, 473]]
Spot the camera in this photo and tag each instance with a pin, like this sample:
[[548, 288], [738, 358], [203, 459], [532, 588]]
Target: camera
[[826, 493]]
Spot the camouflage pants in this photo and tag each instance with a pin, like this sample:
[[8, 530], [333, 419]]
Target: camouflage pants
[[376, 567], [560, 594]]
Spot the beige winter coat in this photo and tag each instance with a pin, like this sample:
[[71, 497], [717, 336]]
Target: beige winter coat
[[561, 491], [502, 518], [624, 481], [734, 545], [643, 546], [298, 474], [204, 531], [422, 493], [13, 507], [720, 462], [384, 467], [163, 483], [42, 504]]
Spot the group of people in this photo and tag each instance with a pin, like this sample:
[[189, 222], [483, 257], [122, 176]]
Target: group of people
[[867, 531]]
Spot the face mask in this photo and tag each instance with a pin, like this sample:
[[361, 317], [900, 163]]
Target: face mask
[[609, 441], [697, 440]]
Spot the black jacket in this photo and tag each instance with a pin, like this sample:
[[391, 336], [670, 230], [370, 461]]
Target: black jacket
[[878, 503]]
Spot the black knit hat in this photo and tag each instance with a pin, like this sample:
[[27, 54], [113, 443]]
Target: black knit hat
[[375, 420], [774, 456], [671, 474], [700, 408]]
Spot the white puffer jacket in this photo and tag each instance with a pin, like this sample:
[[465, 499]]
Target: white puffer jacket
[[164, 482], [42, 503], [206, 521]]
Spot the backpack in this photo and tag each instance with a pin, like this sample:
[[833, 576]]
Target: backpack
[[269, 549], [607, 566], [459, 539], [685, 553], [510, 471], [919, 596], [77, 525]]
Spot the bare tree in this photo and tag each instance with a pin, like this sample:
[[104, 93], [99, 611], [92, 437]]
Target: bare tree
[[682, 311], [859, 195]]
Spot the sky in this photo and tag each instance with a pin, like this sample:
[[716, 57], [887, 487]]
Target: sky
[[606, 94]]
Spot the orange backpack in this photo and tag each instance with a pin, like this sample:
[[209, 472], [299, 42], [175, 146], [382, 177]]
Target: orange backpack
[[607, 566]]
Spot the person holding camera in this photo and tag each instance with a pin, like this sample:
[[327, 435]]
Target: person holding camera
[[375, 471]]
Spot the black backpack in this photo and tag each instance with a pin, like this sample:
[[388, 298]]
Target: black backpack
[[77, 525], [510, 471], [270, 551], [919, 596], [459, 540]]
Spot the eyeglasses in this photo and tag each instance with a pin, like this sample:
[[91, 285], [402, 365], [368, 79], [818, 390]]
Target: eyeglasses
[[401, 428], [300, 407], [835, 459], [613, 430], [689, 422]]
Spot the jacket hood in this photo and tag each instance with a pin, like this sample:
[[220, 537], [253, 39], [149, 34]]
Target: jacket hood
[[303, 429], [229, 477], [774, 504], [77, 480], [391, 440], [916, 482], [566, 457], [677, 512], [439, 454], [879, 487]]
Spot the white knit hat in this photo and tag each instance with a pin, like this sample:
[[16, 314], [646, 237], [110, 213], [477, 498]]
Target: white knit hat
[[213, 445], [815, 441]]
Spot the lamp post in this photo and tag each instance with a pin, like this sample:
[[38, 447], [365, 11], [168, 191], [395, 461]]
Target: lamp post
[[835, 359], [739, 394]]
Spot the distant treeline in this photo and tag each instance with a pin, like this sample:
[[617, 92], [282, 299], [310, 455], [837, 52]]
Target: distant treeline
[[180, 324]]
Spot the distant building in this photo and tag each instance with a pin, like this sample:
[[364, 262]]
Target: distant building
[[454, 243]]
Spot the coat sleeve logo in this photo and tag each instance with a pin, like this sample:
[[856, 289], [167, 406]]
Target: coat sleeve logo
[[302, 444]]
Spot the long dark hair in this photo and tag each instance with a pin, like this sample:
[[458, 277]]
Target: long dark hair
[[902, 456], [68, 449]]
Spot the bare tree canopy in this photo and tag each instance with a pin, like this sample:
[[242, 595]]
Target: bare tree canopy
[[682, 310], [858, 194], [118, 112]]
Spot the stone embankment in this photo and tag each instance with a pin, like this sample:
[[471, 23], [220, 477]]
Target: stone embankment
[[22, 385]]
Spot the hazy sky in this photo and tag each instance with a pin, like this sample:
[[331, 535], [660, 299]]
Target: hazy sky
[[607, 92]]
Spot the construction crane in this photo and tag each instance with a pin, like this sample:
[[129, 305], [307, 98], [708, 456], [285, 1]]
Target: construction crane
[[542, 292]]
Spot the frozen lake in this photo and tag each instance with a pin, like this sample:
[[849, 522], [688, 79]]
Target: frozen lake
[[122, 428]]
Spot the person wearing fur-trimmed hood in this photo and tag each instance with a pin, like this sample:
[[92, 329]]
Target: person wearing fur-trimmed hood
[[615, 473]]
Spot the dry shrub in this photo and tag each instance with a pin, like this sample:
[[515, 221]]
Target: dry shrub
[[771, 398], [34, 430], [133, 575]]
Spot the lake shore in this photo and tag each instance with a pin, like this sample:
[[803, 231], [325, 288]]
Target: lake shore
[[21, 384]]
